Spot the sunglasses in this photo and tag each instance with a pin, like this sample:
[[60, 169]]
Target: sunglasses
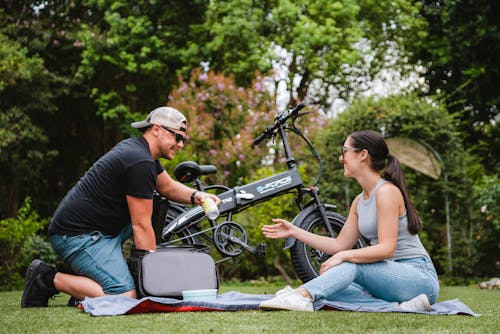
[[349, 149], [178, 137]]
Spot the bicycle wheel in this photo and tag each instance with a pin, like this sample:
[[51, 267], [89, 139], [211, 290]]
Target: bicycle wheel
[[307, 260], [185, 236]]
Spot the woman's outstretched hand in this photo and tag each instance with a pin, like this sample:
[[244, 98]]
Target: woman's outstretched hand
[[282, 229]]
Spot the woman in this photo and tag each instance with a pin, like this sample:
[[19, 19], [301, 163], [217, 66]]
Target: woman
[[395, 270]]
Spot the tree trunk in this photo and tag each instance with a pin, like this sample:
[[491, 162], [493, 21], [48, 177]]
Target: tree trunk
[[13, 194], [277, 265]]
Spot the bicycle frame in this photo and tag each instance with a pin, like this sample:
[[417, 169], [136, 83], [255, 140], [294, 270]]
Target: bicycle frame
[[314, 216], [240, 198]]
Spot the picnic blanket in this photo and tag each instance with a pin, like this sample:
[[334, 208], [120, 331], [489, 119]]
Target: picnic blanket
[[236, 301]]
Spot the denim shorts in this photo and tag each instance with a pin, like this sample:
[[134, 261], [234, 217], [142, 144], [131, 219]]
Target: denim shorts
[[98, 257]]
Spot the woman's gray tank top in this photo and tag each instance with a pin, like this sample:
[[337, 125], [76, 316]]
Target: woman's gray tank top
[[408, 245]]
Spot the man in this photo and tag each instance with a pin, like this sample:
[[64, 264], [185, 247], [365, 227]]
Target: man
[[112, 201]]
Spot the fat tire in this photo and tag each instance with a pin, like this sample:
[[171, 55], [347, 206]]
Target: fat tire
[[307, 260], [187, 233]]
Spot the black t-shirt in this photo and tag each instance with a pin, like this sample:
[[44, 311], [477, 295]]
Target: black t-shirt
[[98, 201]]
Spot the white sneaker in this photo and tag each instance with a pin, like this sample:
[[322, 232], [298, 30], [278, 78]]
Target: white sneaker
[[288, 299], [286, 290], [418, 304]]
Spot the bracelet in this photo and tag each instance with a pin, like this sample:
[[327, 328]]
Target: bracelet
[[192, 196]]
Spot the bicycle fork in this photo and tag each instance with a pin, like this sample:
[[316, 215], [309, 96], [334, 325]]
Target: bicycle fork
[[314, 192]]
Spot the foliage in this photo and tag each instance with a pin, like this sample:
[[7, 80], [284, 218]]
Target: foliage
[[73, 74], [35, 247], [14, 233], [474, 233], [487, 194], [223, 120], [399, 115], [15, 64], [316, 46], [486, 224], [38, 247], [139, 47], [93, 67], [24, 99], [460, 54], [28, 104]]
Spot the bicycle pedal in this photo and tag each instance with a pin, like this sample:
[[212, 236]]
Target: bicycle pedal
[[261, 249]]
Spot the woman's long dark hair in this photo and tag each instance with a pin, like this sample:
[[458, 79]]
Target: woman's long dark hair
[[381, 159]]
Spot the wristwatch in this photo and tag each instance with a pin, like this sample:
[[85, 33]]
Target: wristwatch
[[192, 196]]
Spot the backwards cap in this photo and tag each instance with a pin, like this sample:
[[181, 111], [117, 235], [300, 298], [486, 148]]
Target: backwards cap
[[165, 116]]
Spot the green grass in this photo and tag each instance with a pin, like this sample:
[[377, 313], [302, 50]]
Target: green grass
[[61, 319]]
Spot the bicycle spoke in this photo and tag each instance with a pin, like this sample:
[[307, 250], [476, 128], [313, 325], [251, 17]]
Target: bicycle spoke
[[202, 233]]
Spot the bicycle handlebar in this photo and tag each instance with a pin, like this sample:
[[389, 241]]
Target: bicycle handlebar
[[279, 120]]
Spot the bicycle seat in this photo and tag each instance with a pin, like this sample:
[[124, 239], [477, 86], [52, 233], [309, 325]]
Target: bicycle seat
[[188, 171]]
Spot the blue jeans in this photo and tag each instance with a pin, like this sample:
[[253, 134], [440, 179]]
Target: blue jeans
[[98, 257], [379, 284]]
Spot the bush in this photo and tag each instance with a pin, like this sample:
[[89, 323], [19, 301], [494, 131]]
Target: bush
[[486, 225], [14, 234]]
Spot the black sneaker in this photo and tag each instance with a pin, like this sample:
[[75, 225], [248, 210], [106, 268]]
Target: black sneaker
[[73, 302], [36, 293]]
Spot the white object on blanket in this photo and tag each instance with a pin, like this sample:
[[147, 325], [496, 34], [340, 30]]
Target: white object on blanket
[[200, 295]]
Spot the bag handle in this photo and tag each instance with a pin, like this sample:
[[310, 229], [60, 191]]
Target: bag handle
[[183, 247]]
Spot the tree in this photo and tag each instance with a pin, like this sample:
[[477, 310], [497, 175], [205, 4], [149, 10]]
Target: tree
[[98, 65], [461, 55], [319, 49], [128, 57], [46, 99], [24, 100], [132, 54], [224, 118]]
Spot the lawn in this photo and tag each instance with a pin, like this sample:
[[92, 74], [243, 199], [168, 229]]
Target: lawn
[[61, 319]]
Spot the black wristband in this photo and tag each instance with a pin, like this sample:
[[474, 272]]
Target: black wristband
[[192, 196]]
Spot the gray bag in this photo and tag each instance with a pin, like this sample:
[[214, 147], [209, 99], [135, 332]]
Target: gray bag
[[173, 269]]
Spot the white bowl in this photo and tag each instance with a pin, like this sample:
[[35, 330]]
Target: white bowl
[[200, 295]]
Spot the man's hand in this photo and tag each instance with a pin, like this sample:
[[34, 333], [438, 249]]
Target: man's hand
[[201, 196]]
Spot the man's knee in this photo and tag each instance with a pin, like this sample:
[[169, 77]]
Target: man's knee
[[130, 294]]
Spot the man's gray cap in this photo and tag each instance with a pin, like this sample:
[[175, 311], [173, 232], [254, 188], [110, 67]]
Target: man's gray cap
[[166, 116]]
